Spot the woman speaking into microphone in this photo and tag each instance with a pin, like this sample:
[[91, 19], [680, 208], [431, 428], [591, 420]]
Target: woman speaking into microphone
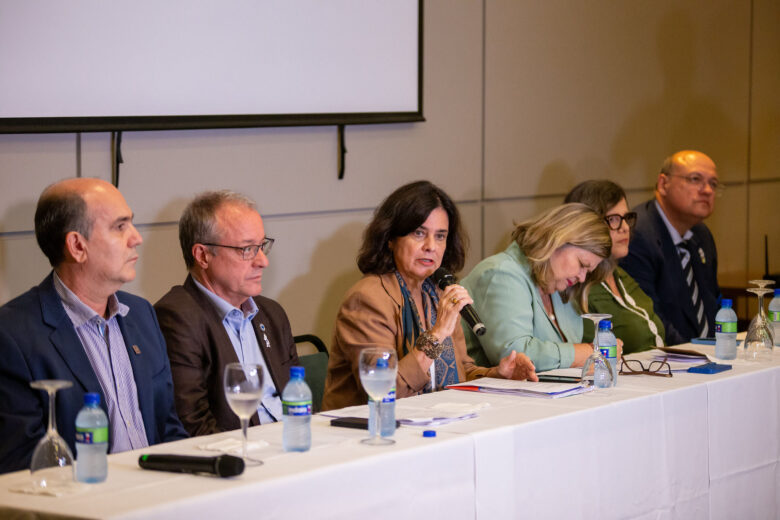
[[414, 232]]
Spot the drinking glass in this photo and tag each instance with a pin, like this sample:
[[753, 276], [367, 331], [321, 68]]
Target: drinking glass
[[759, 341], [52, 461], [761, 284], [597, 358], [378, 368], [243, 391]]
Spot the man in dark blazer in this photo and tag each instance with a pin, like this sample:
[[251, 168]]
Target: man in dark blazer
[[77, 326], [218, 316], [670, 243]]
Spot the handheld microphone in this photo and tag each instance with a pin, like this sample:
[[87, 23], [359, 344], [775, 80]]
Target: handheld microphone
[[442, 278], [221, 465]]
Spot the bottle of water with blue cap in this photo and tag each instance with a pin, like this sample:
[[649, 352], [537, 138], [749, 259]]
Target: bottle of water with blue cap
[[608, 348], [296, 409], [91, 441], [774, 317], [726, 331], [386, 410]]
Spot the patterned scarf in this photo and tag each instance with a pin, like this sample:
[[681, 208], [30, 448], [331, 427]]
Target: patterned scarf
[[412, 326]]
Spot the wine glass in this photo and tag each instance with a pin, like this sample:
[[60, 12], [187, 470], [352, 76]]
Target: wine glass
[[597, 359], [243, 391], [761, 284], [759, 341], [378, 368], [52, 467]]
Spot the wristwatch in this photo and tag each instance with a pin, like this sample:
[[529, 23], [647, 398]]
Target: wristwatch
[[429, 345]]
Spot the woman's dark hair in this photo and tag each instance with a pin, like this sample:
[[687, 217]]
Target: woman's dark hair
[[406, 209], [600, 196]]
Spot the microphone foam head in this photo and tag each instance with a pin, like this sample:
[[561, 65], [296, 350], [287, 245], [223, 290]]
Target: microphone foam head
[[229, 466], [442, 278]]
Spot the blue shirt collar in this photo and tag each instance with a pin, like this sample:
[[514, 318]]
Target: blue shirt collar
[[676, 238], [79, 312], [224, 308]]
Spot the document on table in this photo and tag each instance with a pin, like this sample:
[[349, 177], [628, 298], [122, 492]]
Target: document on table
[[416, 415], [522, 388], [680, 360]]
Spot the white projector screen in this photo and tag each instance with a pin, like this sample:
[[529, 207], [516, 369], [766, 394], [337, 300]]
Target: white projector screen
[[96, 65]]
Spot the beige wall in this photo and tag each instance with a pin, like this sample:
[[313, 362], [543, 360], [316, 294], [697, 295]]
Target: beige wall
[[522, 101]]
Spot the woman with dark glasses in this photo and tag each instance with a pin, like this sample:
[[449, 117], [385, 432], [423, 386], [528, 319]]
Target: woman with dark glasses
[[634, 320]]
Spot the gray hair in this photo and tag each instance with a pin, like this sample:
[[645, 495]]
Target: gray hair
[[198, 223]]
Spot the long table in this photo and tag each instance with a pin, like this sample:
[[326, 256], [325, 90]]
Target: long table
[[691, 446]]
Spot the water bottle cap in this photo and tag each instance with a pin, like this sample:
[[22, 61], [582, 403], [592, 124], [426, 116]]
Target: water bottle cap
[[381, 363], [92, 398], [726, 302], [429, 433], [777, 292], [605, 324], [297, 372]]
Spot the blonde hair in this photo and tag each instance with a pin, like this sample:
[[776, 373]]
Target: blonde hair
[[572, 224]]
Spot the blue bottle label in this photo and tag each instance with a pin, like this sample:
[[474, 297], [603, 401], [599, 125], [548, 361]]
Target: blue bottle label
[[609, 352], [296, 408], [92, 435], [390, 397], [725, 326]]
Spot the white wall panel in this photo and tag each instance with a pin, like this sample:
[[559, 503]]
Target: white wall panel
[[578, 90], [29, 163], [765, 113], [22, 265]]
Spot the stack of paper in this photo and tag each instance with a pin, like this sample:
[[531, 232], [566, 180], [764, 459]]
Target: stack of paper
[[680, 360], [417, 415], [524, 388]]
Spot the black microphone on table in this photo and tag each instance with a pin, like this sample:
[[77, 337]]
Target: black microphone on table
[[220, 465], [442, 278]]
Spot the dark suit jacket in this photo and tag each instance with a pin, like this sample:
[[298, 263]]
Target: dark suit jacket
[[199, 348], [653, 261], [38, 341]]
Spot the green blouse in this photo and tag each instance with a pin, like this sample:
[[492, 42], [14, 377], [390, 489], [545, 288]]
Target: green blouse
[[631, 322]]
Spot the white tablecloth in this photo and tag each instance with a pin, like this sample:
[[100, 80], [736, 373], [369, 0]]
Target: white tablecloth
[[691, 446]]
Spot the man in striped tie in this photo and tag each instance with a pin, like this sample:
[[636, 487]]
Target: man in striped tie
[[672, 253]]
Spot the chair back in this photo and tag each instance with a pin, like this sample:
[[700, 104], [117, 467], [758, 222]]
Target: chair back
[[316, 366]]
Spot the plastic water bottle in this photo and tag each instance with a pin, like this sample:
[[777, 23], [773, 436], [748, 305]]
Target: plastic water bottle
[[726, 331], [387, 415], [91, 441], [296, 407], [774, 317], [608, 348], [387, 410]]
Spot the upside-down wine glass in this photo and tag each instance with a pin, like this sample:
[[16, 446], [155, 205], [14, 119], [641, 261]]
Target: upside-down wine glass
[[597, 358], [52, 467], [761, 284], [759, 341], [378, 368], [243, 391]]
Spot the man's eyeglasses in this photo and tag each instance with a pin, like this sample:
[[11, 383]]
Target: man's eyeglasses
[[614, 221], [633, 367], [699, 182], [250, 252]]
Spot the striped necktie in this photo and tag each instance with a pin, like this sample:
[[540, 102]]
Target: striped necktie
[[686, 249]]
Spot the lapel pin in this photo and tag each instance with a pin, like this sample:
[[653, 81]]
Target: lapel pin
[[136, 350], [701, 255], [262, 327]]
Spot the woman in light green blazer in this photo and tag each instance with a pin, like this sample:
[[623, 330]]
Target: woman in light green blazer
[[524, 294]]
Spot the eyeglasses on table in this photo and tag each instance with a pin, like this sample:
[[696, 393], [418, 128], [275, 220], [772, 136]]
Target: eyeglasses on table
[[633, 367]]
